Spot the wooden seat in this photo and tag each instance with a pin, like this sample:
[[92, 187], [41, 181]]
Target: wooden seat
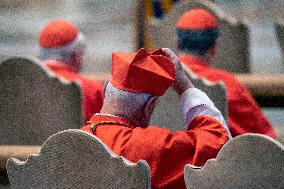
[[248, 161], [233, 43], [77, 159], [34, 103]]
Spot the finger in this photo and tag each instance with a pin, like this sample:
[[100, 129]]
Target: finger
[[170, 54]]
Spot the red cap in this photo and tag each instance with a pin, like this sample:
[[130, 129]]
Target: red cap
[[197, 19], [57, 34], [141, 72]]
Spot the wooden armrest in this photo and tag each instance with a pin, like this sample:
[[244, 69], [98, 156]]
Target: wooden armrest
[[263, 85], [18, 151]]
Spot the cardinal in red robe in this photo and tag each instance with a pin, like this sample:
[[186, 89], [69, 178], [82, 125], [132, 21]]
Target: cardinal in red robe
[[138, 79], [61, 48], [197, 32]]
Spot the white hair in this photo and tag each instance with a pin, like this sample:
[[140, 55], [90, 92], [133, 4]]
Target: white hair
[[125, 104], [62, 53]]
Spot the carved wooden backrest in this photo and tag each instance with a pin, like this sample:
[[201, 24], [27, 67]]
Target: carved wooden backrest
[[233, 43], [248, 161], [34, 103], [168, 110], [77, 159]]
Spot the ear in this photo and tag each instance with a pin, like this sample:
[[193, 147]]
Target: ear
[[214, 49], [75, 60], [149, 107], [210, 54]]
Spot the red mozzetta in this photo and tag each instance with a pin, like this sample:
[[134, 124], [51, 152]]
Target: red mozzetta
[[165, 151]]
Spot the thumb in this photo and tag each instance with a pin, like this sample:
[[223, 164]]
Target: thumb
[[170, 54]]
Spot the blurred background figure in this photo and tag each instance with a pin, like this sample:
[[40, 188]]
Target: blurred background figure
[[61, 41], [197, 32], [61, 48]]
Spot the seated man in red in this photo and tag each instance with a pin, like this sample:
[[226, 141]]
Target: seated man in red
[[130, 96], [61, 48], [197, 32]]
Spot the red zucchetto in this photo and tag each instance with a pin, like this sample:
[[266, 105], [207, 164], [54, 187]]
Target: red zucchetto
[[57, 33], [197, 19]]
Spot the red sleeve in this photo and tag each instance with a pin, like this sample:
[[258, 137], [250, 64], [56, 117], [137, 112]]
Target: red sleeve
[[245, 116], [209, 137]]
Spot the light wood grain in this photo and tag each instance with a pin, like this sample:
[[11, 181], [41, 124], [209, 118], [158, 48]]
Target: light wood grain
[[263, 85], [17, 151]]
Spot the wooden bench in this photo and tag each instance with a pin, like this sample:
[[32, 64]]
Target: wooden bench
[[248, 161], [267, 90], [263, 84], [74, 158], [198, 82], [35, 103], [77, 159]]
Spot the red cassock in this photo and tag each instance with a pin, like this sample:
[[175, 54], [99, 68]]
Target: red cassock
[[91, 89], [244, 115], [166, 152]]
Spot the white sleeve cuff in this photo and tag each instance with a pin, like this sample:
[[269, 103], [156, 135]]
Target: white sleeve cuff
[[195, 103]]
